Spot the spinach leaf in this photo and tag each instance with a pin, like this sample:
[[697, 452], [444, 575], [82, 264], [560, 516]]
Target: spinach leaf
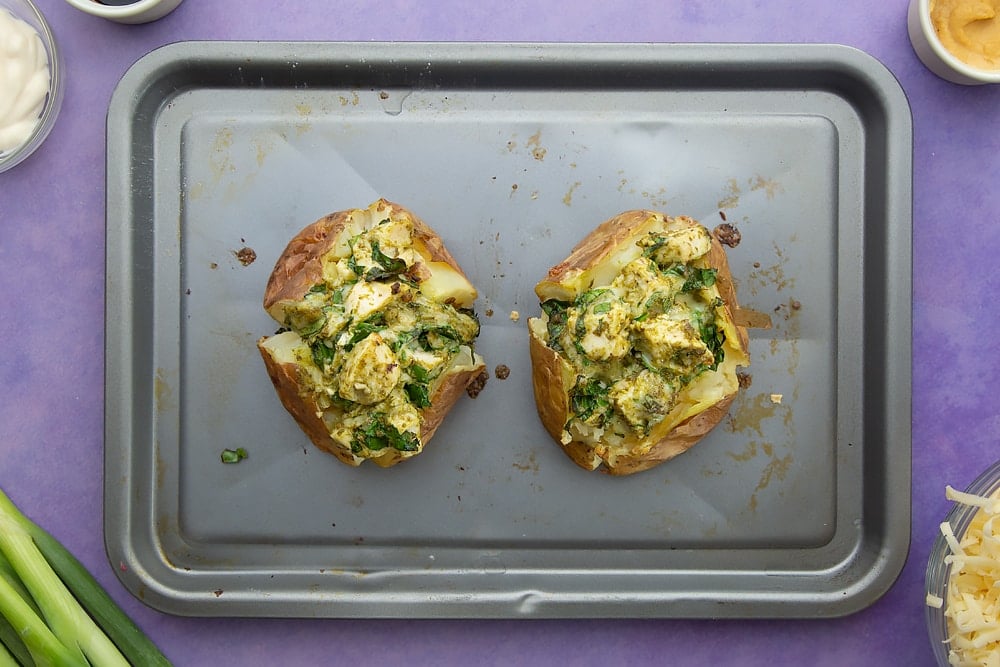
[[417, 393], [699, 279], [589, 397], [419, 373], [713, 336], [365, 328], [658, 303], [583, 302], [556, 312], [352, 262], [652, 244], [313, 327], [390, 266], [322, 354], [437, 337], [378, 434]]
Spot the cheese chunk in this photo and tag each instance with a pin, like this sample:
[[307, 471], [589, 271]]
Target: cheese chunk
[[370, 371], [365, 298]]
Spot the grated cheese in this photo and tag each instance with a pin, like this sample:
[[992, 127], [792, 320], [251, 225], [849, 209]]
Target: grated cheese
[[972, 604]]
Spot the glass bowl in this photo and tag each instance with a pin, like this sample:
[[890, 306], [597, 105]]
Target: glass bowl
[[938, 571], [26, 11]]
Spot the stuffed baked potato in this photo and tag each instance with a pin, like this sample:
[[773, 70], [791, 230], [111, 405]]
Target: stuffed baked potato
[[634, 356], [377, 333]]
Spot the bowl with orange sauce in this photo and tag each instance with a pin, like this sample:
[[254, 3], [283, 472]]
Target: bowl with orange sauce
[[959, 40]]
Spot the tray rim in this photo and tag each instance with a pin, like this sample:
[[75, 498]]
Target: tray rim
[[147, 579]]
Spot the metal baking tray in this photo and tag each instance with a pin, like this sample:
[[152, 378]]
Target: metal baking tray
[[797, 505]]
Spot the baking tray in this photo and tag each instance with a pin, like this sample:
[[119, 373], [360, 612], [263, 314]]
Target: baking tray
[[796, 505]]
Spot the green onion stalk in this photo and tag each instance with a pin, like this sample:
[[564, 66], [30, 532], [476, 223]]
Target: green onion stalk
[[53, 611]]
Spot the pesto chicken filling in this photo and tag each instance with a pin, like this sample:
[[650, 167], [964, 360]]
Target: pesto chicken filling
[[635, 344], [374, 345]]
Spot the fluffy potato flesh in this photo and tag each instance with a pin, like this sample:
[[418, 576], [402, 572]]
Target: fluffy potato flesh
[[377, 333], [636, 346]]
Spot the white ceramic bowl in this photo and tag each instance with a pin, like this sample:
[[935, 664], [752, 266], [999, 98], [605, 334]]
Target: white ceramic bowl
[[27, 12], [140, 11], [935, 56]]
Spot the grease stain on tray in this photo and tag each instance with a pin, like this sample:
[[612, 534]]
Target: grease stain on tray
[[531, 465], [733, 191], [162, 392], [220, 160], [353, 100], [535, 146], [568, 198]]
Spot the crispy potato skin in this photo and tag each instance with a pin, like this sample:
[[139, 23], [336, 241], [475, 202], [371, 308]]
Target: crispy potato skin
[[598, 244], [287, 383], [296, 270], [552, 377], [299, 266]]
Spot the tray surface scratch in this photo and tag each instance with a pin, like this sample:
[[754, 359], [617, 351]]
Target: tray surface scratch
[[796, 505]]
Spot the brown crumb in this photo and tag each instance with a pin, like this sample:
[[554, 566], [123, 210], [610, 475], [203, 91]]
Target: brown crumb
[[475, 387], [489, 312], [744, 379], [213, 266], [727, 235], [502, 371], [218, 592], [756, 265], [383, 95], [247, 256], [722, 214]]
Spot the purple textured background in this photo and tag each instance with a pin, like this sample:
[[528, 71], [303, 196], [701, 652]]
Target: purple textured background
[[51, 322]]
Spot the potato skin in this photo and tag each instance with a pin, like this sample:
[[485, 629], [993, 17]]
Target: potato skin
[[299, 266], [296, 270], [553, 377]]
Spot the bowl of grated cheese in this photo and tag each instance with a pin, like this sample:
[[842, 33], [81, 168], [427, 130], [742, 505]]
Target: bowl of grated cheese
[[963, 576]]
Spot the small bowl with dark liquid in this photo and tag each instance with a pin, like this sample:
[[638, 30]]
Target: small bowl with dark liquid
[[127, 11]]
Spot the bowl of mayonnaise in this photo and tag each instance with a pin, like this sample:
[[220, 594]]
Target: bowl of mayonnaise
[[31, 87], [959, 40], [962, 581]]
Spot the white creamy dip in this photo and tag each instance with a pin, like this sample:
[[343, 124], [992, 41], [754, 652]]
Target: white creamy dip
[[24, 80]]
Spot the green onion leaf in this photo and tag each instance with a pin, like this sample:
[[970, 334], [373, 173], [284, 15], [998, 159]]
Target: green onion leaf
[[233, 455], [98, 624]]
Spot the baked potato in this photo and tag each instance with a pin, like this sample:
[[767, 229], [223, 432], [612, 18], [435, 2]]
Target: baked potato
[[635, 353], [377, 333]]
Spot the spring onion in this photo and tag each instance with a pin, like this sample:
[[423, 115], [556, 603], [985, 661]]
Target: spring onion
[[58, 613]]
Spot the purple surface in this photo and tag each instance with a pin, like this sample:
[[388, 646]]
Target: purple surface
[[52, 272]]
